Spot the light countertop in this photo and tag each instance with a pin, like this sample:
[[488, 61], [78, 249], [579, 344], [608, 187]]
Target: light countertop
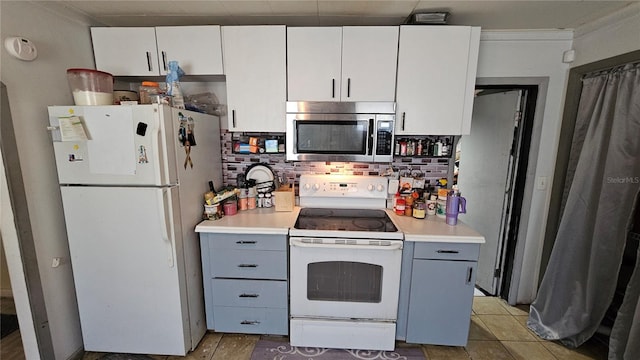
[[434, 229], [269, 221], [255, 221]]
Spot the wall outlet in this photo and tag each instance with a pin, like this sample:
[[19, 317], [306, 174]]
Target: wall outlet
[[541, 182]]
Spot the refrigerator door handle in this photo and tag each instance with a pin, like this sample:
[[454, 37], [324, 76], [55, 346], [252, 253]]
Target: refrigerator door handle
[[163, 225]]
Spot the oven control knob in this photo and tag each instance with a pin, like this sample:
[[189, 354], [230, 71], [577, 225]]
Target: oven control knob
[[316, 187], [307, 186], [370, 187], [380, 187]]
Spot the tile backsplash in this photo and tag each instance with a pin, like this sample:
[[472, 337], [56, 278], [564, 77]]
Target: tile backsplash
[[233, 164]]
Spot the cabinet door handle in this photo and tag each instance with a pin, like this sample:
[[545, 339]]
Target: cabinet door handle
[[249, 322], [149, 61], [164, 60], [448, 251], [242, 242], [233, 117], [248, 295], [403, 116], [333, 88], [349, 87], [247, 266], [469, 274]]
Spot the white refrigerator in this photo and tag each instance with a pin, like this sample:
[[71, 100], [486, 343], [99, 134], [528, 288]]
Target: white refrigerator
[[132, 180]]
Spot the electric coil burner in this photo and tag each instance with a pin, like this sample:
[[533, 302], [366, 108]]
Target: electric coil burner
[[345, 257]]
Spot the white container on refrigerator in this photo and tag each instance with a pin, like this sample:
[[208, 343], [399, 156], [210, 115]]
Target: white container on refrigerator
[[131, 202]]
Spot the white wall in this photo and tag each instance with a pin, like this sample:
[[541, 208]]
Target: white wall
[[613, 35], [63, 42], [507, 54]]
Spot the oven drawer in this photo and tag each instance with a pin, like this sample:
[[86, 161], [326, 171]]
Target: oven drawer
[[247, 242], [251, 320], [446, 251], [250, 293], [248, 264]]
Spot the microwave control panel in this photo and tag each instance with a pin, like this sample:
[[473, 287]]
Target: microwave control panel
[[384, 141]]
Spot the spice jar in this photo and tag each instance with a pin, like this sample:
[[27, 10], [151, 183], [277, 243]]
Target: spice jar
[[243, 201], [408, 209], [419, 209], [267, 202], [251, 198]]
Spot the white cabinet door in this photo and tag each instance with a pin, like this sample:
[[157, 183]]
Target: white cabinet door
[[256, 72], [436, 79], [369, 58], [313, 63], [197, 49], [125, 51]]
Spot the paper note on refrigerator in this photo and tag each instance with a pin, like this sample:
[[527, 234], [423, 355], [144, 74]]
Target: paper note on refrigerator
[[111, 149], [72, 129]]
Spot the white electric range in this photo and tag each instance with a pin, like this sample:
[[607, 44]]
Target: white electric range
[[345, 259]]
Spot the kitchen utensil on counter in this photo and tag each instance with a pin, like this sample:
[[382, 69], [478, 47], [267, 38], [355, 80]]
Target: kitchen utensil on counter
[[456, 204]]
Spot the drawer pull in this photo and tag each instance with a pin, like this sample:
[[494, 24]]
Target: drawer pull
[[242, 242], [469, 275], [448, 251], [247, 266], [248, 295], [249, 322]]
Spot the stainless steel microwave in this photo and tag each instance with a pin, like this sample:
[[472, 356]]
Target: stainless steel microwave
[[340, 131]]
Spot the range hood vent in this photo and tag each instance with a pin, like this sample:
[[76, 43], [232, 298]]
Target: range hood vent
[[429, 18]]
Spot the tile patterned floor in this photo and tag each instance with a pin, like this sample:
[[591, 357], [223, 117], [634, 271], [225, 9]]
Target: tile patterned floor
[[498, 331]]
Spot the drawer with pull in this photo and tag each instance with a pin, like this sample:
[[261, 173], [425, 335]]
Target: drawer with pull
[[250, 293], [446, 251], [247, 242], [248, 264], [251, 320]]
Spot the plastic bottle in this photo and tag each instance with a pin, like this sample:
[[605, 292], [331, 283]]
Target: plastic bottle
[[176, 95]]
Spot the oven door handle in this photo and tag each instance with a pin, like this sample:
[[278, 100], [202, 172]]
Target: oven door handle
[[393, 246]]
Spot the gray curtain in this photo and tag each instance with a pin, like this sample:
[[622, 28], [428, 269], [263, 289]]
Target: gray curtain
[[604, 181]]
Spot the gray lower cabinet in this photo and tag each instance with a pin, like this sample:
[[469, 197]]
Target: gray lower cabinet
[[245, 282], [441, 293]]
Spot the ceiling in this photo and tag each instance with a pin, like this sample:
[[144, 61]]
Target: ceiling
[[500, 14]]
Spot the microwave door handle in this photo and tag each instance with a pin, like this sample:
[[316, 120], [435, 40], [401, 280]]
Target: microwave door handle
[[372, 136]]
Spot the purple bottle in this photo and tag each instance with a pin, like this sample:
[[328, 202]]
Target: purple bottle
[[456, 204]]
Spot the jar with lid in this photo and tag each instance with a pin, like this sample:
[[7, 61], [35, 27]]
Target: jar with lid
[[267, 201], [251, 198], [419, 209], [400, 206], [230, 207], [148, 88], [243, 202], [408, 208]]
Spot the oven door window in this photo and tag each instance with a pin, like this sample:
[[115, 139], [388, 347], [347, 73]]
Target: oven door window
[[332, 137], [344, 281]]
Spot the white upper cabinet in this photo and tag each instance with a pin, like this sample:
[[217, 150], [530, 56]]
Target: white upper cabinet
[[145, 51], [256, 72], [198, 49], [369, 61], [351, 63], [128, 51], [313, 63], [436, 79]]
